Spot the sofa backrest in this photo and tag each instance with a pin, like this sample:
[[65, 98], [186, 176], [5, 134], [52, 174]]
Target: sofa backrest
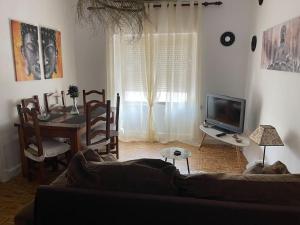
[[265, 189]]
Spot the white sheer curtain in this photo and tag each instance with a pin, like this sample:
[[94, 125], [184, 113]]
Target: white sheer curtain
[[158, 76]]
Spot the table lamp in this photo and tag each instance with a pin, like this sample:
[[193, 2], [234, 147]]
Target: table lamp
[[266, 135]]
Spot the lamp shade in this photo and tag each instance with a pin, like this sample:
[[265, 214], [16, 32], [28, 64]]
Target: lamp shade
[[266, 135]]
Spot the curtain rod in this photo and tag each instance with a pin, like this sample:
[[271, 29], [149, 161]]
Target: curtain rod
[[205, 4]]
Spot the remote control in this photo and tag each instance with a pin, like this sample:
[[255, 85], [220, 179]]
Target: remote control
[[221, 134]]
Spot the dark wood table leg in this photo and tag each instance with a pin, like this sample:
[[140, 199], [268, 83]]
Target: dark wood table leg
[[22, 156], [166, 159], [75, 141], [188, 166], [174, 162]]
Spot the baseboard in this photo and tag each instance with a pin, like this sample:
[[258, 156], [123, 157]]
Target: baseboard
[[10, 173]]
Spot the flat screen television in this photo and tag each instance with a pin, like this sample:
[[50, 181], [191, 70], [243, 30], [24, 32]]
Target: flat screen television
[[225, 113]]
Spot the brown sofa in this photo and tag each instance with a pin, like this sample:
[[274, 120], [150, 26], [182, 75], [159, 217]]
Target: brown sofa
[[205, 198]]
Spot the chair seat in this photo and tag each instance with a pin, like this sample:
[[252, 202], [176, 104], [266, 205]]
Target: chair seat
[[51, 148]]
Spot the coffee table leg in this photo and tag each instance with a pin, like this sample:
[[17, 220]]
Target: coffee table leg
[[188, 166], [174, 162], [166, 159]]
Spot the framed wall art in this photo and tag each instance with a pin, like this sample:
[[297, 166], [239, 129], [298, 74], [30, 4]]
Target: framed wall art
[[52, 53], [281, 47], [26, 51]]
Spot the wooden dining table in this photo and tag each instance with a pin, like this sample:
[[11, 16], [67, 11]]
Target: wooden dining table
[[62, 124]]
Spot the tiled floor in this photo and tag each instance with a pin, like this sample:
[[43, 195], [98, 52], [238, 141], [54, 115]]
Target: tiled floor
[[212, 158]]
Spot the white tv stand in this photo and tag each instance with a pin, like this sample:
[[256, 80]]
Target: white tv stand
[[228, 138]]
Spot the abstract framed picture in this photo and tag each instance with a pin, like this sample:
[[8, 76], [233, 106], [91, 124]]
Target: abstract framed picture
[[26, 51], [52, 53], [281, 47]]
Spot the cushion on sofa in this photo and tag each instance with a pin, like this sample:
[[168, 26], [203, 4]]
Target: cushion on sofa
[[150, 176], [90, 155], [277, 189], [276, 168]]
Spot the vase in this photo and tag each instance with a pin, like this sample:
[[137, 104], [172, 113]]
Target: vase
[[74, 110]]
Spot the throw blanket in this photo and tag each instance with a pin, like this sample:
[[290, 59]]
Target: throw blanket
[[150, 176]]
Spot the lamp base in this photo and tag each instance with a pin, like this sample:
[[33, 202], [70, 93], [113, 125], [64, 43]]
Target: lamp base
[[264, 156]]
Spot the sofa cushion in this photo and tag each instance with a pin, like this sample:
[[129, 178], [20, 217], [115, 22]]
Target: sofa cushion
[[92, 155], [277, 189], [276, 168], [150, 176]]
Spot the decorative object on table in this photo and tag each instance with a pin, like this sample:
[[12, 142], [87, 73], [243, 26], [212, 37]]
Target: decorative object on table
[[177, 153], [260, 2], [266, 135], [73, 91], [205, 124], [253, 43], [52, 53], [237, 138], [26, 51], [280, 50], [227, 38]]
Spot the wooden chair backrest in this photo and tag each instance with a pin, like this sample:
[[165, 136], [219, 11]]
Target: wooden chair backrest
[[93, 121], [30, 127], [116, 120], [34, 101], [93, 92], [47, 97]]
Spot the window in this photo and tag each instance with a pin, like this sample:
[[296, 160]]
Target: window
[[160, 62]]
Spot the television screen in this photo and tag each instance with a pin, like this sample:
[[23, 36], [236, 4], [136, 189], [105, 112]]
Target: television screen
[[226, 112]]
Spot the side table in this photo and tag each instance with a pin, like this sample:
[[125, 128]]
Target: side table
[[237, 140], [168, 153]]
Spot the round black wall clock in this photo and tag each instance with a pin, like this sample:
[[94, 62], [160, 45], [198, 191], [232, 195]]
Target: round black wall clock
[[253, 43], [227, 38], [260, 2]]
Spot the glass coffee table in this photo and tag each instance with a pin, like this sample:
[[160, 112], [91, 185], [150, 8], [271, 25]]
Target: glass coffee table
[[176, 153]]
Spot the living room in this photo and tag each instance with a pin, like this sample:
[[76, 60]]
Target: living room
[[232, 69]]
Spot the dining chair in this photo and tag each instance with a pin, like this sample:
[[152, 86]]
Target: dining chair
[[114, 129], [31, 103], [53, 100], [114, 132], [100, 94], [97, 139], [39, 151]]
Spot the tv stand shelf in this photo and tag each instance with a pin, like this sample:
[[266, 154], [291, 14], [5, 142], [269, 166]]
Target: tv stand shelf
[[228, 138]]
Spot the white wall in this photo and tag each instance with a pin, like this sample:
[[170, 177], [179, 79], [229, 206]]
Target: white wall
[[56, 14], [90, 57], [273, 96], [225, 68]]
